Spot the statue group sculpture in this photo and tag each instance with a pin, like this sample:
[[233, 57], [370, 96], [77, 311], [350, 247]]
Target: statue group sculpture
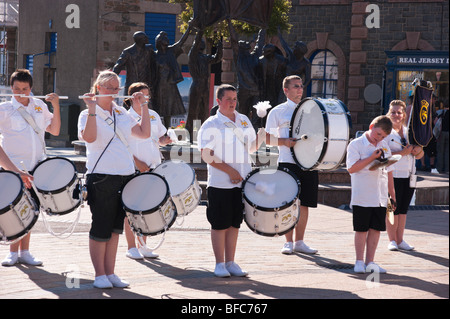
[[259, 72]]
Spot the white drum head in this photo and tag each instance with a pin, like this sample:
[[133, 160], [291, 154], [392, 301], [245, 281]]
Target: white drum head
[[178, 174], [308, 126], [144, 192], [53, 174], [10, 188], [273, 188]]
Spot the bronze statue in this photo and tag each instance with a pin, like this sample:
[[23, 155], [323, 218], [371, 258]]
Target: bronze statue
[[247, 66], [273, 71], [297, 64], [136, 60], [199, 67], [167, 100]]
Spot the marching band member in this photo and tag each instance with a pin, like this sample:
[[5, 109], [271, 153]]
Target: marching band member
[[370, 190], [146, 157], [106, 128], [278, 122], [225, 141], [23, 123], [403, 169]]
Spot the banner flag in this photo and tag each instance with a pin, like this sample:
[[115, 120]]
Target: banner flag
[[421, 116]]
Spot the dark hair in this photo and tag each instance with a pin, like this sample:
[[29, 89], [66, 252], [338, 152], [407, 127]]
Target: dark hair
[[21, 75], [136, 87], [220, 92]]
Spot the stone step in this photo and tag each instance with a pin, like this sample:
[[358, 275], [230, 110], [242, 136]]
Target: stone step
[[334, 186]]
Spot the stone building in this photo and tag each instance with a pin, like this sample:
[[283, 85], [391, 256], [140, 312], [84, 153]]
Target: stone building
[[364, 54]]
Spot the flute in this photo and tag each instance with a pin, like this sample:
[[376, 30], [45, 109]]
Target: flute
[[110, 95]]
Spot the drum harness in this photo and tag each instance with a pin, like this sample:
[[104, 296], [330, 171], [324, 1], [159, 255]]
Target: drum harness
[[29, 119]]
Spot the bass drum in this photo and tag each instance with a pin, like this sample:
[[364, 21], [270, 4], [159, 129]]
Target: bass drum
[[322, 128]]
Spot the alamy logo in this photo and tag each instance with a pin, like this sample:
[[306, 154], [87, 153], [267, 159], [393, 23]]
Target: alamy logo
[[373, 19], [73, 19]]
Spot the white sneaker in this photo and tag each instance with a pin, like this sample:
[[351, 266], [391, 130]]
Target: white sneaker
[[117, 282], [235, 270], [147, 252], [392, 246], [288, 248], [434, 171], [11, 259], [102, 282], [301, 247], [360, 267], [404, 246], [221, 271], [373, 267], [25, 257], [134, 253]]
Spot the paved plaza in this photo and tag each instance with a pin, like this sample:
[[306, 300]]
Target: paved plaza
[[184, 270]]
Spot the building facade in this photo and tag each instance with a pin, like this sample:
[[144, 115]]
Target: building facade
[[364, 54]]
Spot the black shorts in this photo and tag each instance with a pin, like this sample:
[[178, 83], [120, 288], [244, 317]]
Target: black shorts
[[403, 195], [365, 218], [225, 208], [309, 184], [104, 200]]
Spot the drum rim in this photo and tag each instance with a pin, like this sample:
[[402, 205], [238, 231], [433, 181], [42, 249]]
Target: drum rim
[[62, 189], [65, 212], [269, 209], [18, 197], [149, 211], [174, 161], [270, 234], [175, 214], [27, 229], [325, 144]]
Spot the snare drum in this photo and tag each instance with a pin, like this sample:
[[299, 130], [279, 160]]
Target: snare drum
[[184, 187], [147, 203], [271, 201], [56, 180], [18, 210], [322, 127]]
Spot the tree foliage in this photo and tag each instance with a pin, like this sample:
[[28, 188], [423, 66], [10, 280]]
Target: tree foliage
[[279, 18]]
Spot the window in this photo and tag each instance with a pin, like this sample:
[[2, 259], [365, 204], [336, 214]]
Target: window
[[438, 78], [324, 75], [157, 22]]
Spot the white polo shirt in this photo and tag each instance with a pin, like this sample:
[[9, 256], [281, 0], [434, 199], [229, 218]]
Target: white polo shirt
[[217, 135], [278, 124], [117, 159], [369, 188], [20, 141], [147, 150], [407, 164]]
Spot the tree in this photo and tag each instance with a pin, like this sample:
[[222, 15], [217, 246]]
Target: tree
[[279, 18]]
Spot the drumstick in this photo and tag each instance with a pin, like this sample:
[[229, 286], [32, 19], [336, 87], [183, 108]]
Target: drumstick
[[398, 143], [268, 189]]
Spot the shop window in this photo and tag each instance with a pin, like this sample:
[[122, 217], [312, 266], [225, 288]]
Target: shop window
[[439, 79], [324, 75]]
